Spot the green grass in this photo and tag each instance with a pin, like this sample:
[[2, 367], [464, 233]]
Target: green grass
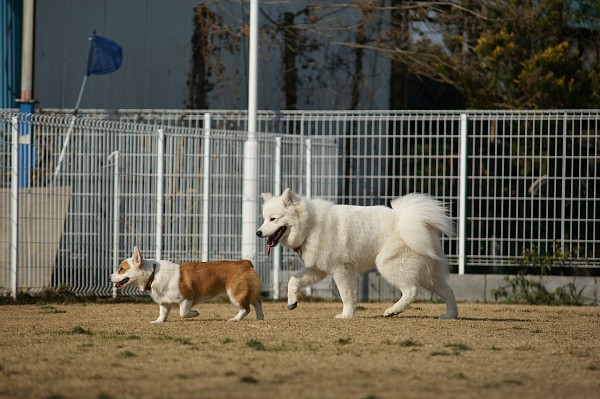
[[408, 343], [120, 334], [458, 348], [81, 330], [256, 345], [51, 309], [440, 353], [179, 340], [77, 330], [249, 379]]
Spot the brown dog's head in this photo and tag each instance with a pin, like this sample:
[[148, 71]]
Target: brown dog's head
[[130, 271]]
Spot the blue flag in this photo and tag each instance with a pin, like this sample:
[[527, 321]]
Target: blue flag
[[104, 56]]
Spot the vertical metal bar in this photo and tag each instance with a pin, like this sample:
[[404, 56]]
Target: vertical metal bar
[[250, 180], [277, 192], [308, 187], [15, 208], [116, 216], [159, 193], [26, 155], [462, 222], [27, 54], [563, 203], [308, 169], [206, 190]]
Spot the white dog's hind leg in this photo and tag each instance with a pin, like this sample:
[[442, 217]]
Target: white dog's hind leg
[[345, 279], [163, 313], [408, 296], [444, 291], [403, 274], [185, 309], [303, 278]]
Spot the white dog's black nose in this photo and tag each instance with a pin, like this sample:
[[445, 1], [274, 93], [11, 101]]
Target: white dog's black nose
[[259, 233]]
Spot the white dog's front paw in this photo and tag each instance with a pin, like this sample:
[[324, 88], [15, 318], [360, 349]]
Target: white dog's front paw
[[390, 312], [343, 316], [157, 321]]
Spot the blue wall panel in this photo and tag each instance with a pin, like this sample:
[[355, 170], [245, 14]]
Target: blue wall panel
[[11, 28]]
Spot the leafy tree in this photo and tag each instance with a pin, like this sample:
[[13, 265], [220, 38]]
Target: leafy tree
[[504, 54]]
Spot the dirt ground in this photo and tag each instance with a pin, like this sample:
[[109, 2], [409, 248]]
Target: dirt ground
[[105, 351]]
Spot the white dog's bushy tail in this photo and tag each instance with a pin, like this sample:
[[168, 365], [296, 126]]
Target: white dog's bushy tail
[[418, 215]]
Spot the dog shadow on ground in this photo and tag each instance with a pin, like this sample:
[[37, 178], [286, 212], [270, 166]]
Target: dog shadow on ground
[[427, 317]]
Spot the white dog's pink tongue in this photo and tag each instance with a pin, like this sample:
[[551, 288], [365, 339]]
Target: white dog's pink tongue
[[268, 250]]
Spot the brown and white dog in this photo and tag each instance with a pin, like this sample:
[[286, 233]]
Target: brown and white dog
[[187, 284]]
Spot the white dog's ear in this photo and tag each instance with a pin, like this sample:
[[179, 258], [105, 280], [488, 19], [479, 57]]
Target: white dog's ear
[[288, 198], [266, 196], [136, 259]]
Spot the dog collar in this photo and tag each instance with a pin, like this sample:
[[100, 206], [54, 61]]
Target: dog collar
[[148, 286], [298, 251]]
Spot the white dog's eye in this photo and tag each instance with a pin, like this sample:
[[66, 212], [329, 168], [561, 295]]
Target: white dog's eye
[[272, 219]]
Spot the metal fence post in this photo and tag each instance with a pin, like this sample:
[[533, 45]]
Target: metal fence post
[[563, 184], [308, 187], [159, 193], [206, 190], [117, 216], [15, 208], [277, 192], [308, 169], [462, 196], [250, 178]]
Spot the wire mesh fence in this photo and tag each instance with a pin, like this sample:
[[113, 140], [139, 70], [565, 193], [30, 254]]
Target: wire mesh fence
[[531, 183]]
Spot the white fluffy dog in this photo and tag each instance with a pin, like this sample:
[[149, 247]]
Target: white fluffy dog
[[342, 240]]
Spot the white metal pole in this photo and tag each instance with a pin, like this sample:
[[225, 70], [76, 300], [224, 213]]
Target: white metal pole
[[563, 201], [462, 197], [250, 179], [117, 215], [159, 193], [63, 151], [80, 93], [253, 70], [308, 186], [27, 50], [277, 192], [308, 169], [206, 190], [277, 183], [14, 259]]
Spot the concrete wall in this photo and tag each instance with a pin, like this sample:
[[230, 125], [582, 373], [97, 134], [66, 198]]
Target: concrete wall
[[479, 287]]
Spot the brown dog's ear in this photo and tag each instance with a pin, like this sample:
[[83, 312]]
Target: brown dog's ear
[[136, 259], [266, 196], [288, 198]]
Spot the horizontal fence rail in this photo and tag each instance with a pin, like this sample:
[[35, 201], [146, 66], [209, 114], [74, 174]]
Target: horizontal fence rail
[[521, 184]]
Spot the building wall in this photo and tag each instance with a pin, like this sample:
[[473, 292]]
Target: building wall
[[156, 39]]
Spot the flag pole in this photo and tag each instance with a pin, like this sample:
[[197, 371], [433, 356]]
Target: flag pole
[[104, 56], [80, 93], [69, 133]]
